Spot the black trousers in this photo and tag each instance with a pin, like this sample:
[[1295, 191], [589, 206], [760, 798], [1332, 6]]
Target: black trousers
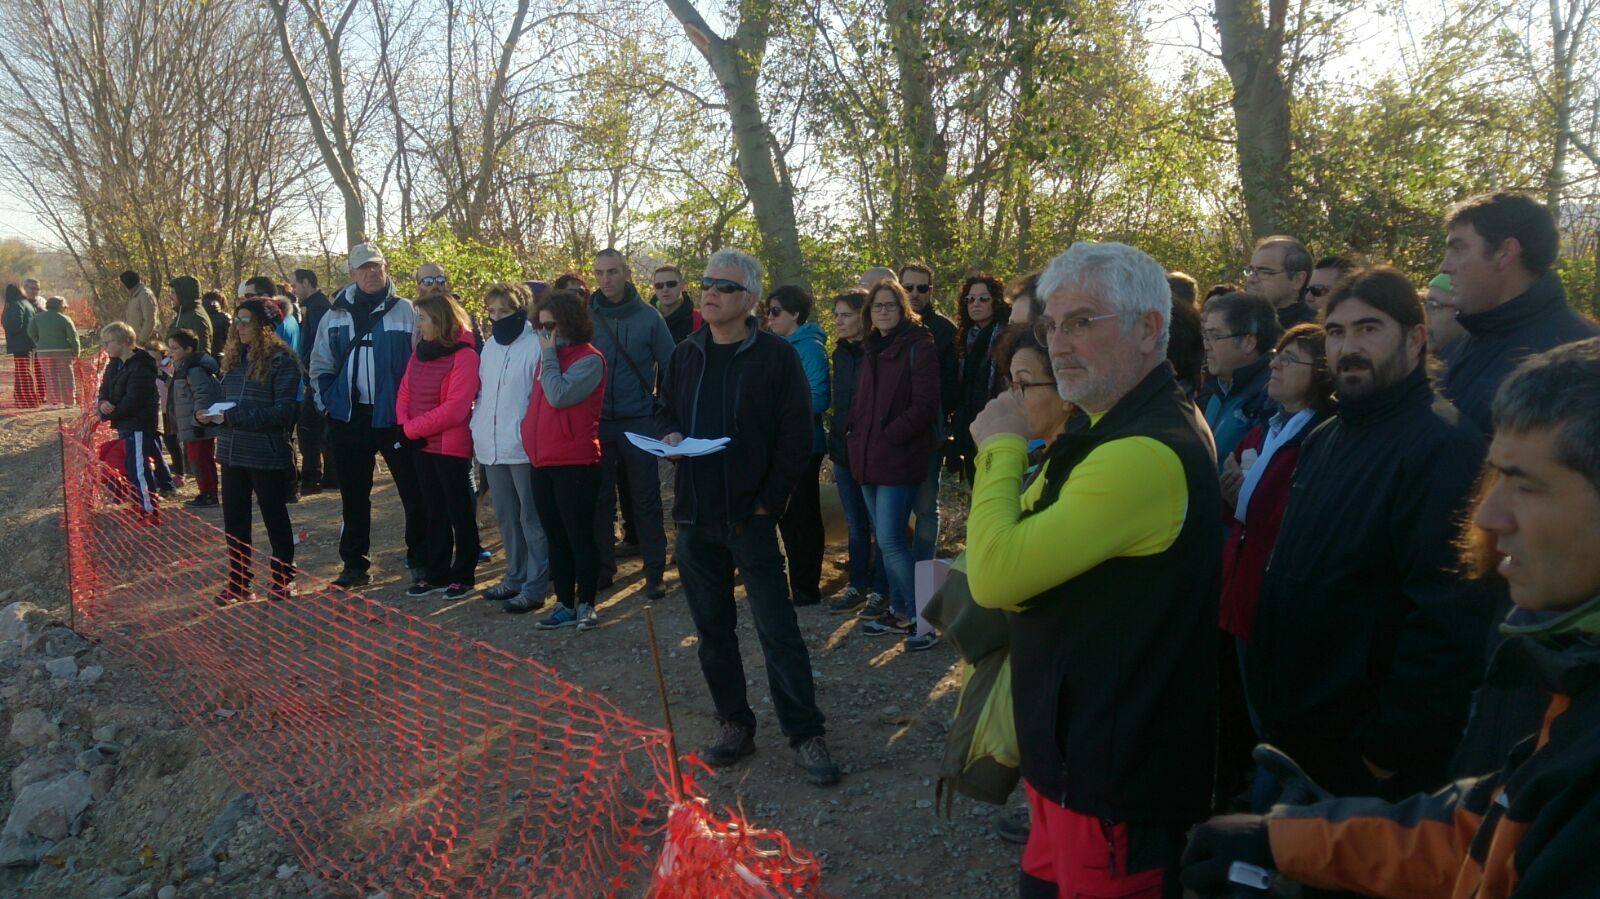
[[644, 489], [356, 445], [1236, 736], [316, 457], [450, 511], [270, 486], [801, 527], [708, 555], [564, 496]]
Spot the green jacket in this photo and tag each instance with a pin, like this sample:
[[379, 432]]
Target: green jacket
[[52, 331], [195, 319]]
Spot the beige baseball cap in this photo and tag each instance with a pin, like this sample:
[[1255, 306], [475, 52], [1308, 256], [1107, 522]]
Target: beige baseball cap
[[363, 253]]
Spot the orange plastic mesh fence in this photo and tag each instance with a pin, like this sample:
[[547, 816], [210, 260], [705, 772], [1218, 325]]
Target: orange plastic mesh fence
[[47, 380], [393, 754]]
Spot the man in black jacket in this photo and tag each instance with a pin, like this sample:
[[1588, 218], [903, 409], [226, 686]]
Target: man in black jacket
[[128, 400], [917, 279], [731, 379], [671, 300], [1499, 254], [316, 463], [1367, 643]]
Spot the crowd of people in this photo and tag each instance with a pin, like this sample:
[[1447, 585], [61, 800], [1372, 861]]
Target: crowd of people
[[1258, 514]]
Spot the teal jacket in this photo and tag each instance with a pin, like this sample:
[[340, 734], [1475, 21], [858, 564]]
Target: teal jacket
[[812, 346]]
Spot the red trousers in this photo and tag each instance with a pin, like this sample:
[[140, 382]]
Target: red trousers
[[1084, 857], [202, 456]]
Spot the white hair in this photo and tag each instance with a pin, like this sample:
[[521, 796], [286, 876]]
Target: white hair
[[873, 275], [749, 267], [1124, 278]]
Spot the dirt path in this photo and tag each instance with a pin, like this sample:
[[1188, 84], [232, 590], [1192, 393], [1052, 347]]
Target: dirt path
[[877, 832]]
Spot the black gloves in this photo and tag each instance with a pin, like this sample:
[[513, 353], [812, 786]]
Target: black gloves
[[1217, 844], [401, 441]]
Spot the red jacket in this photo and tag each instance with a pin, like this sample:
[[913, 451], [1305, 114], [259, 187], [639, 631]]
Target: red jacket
[[895, 414], [435, 398], [1244, 557], [567, 436]]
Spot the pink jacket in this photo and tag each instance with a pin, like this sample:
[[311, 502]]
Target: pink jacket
[[435, 398]]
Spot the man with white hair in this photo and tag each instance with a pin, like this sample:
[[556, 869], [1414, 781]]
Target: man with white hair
[[873, 275], [1108, 565], [731, 379], [360, 353]]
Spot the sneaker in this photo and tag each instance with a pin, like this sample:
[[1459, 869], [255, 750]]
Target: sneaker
[[877, 607], [292, 498], [456, 591], [587, 618], [484, 555], [521, 605], [1014, 828], [734, 741], [848, 601], [350, 579], [920, 642], [202, 501], [280, 592], [802, 600], [887, 625], [229, 596], [813, 758], [168, 492], [501, 592], [423, 588], [560, 618], [656, 590]]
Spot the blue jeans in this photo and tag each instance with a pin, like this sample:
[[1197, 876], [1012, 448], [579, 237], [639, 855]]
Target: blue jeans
[[889, 507], [867, 573], [925, 541]]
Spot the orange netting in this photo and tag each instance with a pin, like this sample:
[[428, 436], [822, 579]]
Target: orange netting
[[46, 380], [390, 753]]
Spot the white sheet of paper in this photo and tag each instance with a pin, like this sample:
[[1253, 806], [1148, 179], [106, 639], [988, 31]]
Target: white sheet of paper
[[219, 408], [691, 446]]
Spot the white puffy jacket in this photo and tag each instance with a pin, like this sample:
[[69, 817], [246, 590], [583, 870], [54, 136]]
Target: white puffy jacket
[[506, 375]]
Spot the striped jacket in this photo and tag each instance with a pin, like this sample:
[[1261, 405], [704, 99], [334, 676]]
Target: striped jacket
[[255, 433], [1529, 829]]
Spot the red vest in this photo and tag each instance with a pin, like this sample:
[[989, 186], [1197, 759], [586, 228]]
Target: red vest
[[569, 436]]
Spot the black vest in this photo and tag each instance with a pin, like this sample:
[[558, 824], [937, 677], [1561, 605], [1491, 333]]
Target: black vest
[[1114, 672]]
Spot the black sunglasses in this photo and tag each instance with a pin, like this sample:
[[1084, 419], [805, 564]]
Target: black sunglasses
[[663, 285], [721, 285], [919, 288], [547, 326]]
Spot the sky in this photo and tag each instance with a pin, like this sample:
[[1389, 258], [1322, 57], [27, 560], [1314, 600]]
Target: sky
[[1381, 43]]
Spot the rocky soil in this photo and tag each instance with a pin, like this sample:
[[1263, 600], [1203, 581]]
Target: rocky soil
[[105, 794]]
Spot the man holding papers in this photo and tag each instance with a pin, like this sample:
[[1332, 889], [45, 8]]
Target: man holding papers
[[730, 379]]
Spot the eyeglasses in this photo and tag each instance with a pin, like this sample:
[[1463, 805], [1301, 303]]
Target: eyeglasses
[[1214, 337], [663, 285], [918, 288], [1319, 290], [1021, 388], [434, 280], [721, 285], [1073, 328], [1259, 271], [1282, 360], [547, 327], [885, 307]]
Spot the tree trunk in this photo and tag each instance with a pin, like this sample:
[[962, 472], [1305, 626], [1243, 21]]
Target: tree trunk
[[483, 180], [736, 63], [932, 206], [1252, 53], [1561, 104]]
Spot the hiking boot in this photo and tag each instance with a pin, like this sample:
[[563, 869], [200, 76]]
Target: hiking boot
[[350, 579], [521, 605], [587, 618], [889, 625], [655, 590], [204, 500], [423, 588], [813, 758], [456, 591], [848, 601], [501, 592], [877, 607], [560, 618], [1014, 828], [921, 642], [232, 595], [734, 741]]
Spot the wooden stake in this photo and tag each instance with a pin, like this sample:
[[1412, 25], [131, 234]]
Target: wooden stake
[[666, 708]]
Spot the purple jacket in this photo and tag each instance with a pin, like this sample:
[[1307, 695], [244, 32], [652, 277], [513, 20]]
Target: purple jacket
[[894, 416]]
